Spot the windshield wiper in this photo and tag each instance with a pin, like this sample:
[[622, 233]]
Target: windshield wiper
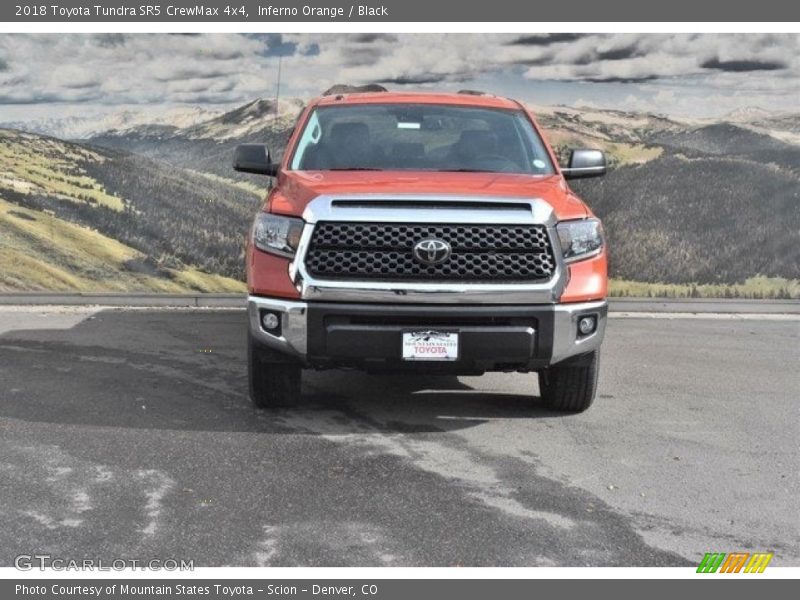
[[431, 170], [355, 169]]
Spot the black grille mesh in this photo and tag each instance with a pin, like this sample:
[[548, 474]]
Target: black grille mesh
[[384, 251]]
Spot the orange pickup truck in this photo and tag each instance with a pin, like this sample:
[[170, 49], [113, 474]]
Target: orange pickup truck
[[424, 233]]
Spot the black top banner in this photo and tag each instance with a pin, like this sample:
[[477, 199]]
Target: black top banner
[[386, 11]]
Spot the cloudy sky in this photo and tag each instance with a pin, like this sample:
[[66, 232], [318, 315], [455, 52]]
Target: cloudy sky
[[681, 74]]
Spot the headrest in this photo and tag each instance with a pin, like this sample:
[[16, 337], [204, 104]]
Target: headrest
[[349, 131]]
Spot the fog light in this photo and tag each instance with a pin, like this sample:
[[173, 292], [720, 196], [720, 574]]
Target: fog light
[[587, 325], [270, 321]]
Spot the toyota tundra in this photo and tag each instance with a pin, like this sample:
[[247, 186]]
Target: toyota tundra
[[424, 233]]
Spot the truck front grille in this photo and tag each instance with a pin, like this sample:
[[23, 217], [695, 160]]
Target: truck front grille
[[384, 251]]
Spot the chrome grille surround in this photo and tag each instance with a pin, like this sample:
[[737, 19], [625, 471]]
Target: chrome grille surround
[[419, 210]]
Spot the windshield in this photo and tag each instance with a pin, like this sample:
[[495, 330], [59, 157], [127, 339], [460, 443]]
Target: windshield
[[428, 137]]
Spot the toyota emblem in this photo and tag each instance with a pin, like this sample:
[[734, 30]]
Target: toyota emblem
[[432, 251]]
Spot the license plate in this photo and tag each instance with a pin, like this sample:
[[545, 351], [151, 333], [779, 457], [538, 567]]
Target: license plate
[[430, 345]]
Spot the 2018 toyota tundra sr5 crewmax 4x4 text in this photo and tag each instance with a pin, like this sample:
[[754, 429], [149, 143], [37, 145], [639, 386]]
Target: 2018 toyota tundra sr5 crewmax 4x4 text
[[425, 233]]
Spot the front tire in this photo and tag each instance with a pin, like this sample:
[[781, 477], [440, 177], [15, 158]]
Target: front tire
[[571, 386], [274, 381]]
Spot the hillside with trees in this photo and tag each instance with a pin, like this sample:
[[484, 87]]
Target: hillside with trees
[[168, 229]]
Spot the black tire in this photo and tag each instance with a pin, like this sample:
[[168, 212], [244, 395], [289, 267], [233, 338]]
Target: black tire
[[571, 386], [274, 381]]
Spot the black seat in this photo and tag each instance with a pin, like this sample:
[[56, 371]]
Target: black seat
[[345, 145], [348, 145], [473, 143]]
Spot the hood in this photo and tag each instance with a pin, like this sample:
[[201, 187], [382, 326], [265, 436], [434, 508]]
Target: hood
[[297, 188]]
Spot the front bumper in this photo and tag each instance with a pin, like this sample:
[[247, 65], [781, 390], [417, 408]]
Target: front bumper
[[368, 336]]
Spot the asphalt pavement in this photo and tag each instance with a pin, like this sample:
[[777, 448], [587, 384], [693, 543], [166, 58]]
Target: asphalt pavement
[[129, 434]]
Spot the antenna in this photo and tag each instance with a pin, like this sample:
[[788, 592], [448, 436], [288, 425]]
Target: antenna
[[278, 87]]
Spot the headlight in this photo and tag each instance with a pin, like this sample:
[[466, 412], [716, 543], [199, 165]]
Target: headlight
[[277, 234], [580, 239]]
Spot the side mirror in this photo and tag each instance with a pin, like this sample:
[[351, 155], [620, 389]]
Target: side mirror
[[585, 163], [254, 158]]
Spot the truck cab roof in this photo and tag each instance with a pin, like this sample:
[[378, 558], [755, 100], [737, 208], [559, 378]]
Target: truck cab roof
[[457, 99]]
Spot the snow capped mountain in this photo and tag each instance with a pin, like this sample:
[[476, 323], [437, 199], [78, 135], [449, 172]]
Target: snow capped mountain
[[245, 120], [85, 126], [747, 114]]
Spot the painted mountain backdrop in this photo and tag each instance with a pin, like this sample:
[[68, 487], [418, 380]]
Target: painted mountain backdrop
[[691, 207]]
